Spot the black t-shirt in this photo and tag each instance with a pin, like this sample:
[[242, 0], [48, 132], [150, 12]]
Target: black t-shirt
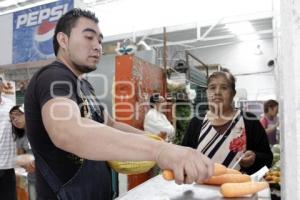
[[52, 81]]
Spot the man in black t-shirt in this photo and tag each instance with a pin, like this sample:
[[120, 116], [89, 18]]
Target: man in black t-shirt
[[71, 134]]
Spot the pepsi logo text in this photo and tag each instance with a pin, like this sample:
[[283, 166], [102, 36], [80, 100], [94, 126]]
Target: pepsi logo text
[[37, 17]]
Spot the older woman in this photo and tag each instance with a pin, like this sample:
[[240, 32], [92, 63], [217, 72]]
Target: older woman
[[226, 134]]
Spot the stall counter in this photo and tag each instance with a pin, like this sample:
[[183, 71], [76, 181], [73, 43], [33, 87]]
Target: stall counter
[[157, 188]]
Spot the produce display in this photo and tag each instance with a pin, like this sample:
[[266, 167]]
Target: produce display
[[276, 157], [232, 183], [273, 176]]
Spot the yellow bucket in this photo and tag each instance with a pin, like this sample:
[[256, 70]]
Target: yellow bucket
[[133, 167]]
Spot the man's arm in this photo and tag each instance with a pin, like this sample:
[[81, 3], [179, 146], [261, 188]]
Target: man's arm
[[91, 140], [121, 126]]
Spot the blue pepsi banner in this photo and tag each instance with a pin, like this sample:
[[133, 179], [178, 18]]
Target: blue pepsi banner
[[33, 30]]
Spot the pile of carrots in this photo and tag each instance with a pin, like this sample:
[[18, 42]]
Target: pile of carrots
[[233, 183]]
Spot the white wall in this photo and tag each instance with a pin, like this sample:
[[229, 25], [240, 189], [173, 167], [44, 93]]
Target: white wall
[[241, 59], [6, 22], [288, 50], [258, 87]]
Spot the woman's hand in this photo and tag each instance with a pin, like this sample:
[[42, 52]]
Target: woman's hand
[[248, 160], [29, 167], [26, 161]]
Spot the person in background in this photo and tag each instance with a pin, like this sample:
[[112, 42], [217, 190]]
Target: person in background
[[226, 134], [7, 150], [17, 118], [71, 134], [156, 122], [270, 120]]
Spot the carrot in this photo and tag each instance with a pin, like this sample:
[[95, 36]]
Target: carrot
[[168, 175], [232, 171], [218, 170], [227, 178], [241, 189]]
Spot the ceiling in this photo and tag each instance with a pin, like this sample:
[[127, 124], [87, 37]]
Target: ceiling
[[188, 36], [191, 36], [7, 6]]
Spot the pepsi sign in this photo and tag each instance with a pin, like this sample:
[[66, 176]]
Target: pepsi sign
[[33, 31]]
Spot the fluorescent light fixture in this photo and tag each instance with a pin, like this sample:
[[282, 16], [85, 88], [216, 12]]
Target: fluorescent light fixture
[[89, 1], [248, 37], [244, 30], [240, 27]]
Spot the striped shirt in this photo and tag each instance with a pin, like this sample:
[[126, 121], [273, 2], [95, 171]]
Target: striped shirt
[[225, 147], [7, 144]]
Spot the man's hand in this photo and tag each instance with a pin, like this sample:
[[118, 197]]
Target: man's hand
[[248, 159], [187, 164]]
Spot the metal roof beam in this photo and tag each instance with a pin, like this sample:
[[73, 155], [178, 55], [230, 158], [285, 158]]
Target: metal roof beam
[[207, 39], [210, 29]]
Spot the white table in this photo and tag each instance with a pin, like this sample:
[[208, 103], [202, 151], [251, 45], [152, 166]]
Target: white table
[[159, 189]]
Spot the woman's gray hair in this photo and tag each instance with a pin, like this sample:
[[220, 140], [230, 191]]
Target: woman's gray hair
[[225, 73]]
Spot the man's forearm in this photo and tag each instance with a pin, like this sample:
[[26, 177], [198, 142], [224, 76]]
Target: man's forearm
[[126, 128], [92, 140], [95, 141]]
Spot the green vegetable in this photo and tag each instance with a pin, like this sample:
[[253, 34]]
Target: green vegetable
[[276, 148]]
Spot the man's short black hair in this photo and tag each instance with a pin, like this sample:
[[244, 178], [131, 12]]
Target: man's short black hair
[[68, 21], [154, 98]]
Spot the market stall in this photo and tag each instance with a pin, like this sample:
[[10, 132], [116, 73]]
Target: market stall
[[159, 189]]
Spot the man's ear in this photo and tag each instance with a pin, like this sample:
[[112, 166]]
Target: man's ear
[[62, 40]]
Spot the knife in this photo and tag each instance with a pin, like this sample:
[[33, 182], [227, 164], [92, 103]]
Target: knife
[[238, 161]]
